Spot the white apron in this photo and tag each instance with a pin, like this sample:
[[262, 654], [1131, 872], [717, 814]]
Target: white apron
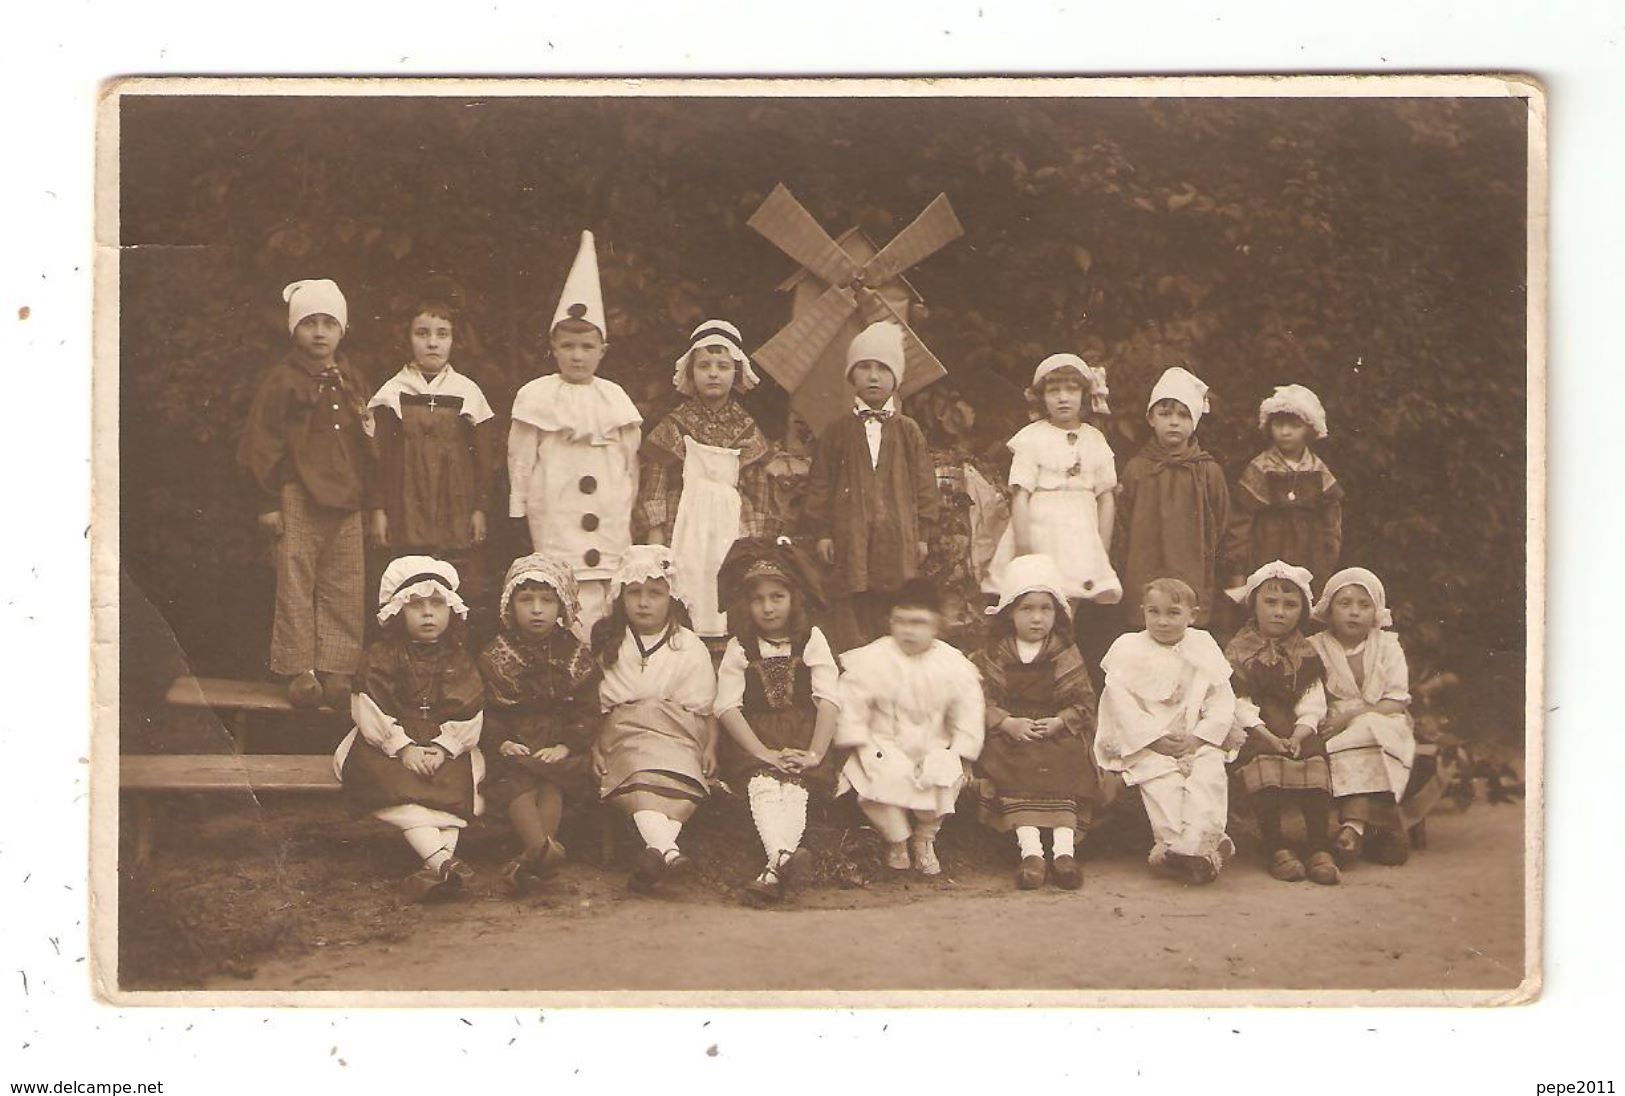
[[706, 526]]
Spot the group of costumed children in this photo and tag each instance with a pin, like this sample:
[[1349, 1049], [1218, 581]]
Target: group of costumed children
[[603, 680]]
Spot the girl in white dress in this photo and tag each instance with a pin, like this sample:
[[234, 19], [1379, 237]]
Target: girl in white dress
[[1369, 738], [657, 751], [1062, 484]]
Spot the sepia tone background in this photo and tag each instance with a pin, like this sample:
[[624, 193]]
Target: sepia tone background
[[1372, 249]]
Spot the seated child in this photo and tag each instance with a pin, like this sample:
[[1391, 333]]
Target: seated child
[[656, 751], [912, 714], [1173, 505], [872, 497], [1280, 701], [413, 758], [437, 455], [1165, 724], [1040, 722], [307, 452], [573, 445], [777, 701], [541, 711], [1369, 740], [1287, 505], [704, 479]]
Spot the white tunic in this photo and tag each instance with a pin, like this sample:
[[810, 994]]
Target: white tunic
[[573, 470], [1152, 690], [1374, 754], [680, 671], [911, 721]]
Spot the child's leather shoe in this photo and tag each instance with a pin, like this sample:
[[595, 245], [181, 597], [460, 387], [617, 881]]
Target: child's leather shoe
[[305, 691], [1066, 873], [1030, 875]]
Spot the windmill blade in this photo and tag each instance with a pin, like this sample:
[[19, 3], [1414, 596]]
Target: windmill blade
[[790, 355], [920, 366], [785, 222], [933, 229]]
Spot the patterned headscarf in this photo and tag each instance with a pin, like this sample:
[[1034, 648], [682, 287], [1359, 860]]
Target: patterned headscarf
[[547, 572]]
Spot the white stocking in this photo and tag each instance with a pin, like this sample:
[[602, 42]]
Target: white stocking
[[793, 815], [657, 830], [1063, 841], [1029, 842], [766, 801]]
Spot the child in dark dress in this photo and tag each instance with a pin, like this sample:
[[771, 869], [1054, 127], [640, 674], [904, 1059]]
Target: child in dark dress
[[437, 453], [413, 758], [1172, 505], [777, 700], [1280, 701], [541, 707], [1040, 718], [1287, 505]]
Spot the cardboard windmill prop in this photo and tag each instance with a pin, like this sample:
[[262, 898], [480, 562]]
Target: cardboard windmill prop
[[843, 286]]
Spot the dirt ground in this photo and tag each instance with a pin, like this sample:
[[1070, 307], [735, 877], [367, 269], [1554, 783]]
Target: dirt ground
[[301, 897]]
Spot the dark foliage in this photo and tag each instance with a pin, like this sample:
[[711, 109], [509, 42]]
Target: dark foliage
[[1372, 249]]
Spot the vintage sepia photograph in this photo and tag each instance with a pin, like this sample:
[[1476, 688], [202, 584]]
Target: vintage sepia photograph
[[955, 541]]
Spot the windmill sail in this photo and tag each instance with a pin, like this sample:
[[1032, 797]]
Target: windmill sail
[[791, 354], [932, 230], [786, 223]]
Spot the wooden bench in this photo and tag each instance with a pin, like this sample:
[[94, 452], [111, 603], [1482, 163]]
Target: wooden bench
[[144, 777], [238, 701]]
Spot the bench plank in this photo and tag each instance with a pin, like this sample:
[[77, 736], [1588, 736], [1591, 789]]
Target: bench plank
[[224, 694], [228, 772]]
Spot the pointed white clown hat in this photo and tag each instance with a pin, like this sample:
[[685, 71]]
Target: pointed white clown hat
[[583, 298]]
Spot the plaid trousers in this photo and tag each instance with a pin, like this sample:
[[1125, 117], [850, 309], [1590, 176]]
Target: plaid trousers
[[320, 568]]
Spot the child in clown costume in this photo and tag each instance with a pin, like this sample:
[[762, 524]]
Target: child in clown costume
[[704, 476], [573, 446]]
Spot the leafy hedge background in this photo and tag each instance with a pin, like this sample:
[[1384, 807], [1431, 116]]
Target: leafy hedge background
[[1373, 249]]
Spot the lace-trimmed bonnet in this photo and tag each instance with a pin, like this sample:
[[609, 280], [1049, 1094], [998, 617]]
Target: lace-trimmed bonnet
[[417, 576]]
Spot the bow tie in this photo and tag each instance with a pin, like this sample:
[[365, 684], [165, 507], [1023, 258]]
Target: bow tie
[[869, 414], [330, 376]]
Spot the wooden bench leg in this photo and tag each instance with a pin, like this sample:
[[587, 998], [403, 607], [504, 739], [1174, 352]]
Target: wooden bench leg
[[141, 829]]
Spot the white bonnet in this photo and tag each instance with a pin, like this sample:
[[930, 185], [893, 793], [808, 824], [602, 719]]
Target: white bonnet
[[1355, 576], [715, 333], [1294, 399], [417, 576], [315, 297], [642, 562], [1179, 383], [879, 342], [1029, 574], [1286, 572], [1094, 378]]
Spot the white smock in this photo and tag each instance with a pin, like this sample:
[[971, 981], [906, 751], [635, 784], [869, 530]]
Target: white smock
[[1064, 472], [706, 525]]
